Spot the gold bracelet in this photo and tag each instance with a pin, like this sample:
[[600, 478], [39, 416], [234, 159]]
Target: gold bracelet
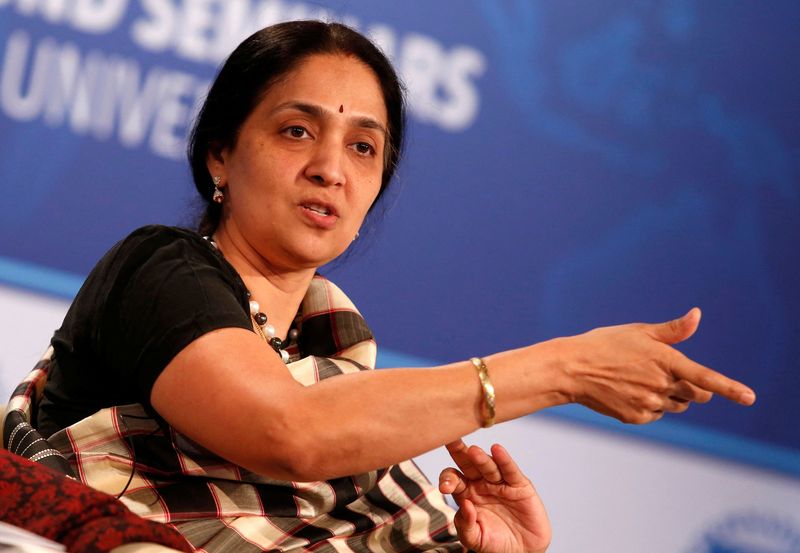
[[487, 410]]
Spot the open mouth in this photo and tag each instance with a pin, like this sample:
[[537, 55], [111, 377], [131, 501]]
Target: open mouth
[[321, 209]]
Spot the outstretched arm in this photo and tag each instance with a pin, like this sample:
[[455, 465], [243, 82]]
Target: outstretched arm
[[231, 394]]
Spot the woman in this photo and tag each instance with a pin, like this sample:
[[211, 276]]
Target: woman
[[220, 384]]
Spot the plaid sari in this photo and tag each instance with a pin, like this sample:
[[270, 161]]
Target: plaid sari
[[218, 506]]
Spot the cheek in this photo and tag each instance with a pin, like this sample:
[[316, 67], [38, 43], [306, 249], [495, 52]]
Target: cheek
[[368, 194], [263, 173], [371, 185]]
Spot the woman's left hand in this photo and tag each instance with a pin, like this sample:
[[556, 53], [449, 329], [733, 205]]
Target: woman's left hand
[[499, 509]]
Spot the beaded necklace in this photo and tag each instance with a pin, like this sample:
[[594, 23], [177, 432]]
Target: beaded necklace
[[267, 331], [262, 326]]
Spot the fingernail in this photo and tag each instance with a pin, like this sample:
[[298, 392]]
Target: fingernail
[[747, 397]]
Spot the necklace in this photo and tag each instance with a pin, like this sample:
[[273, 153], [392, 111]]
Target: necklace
[[261, 324], [267, 331]]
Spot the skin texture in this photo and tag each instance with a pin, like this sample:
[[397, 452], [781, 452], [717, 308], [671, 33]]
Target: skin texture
[[499, 509], [295, 151]]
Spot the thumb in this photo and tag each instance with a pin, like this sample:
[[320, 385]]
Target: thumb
[[677, 330], [465, 520]]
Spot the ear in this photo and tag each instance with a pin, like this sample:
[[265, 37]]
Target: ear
[[215, 161]]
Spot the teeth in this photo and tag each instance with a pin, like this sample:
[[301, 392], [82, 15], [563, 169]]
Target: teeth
[[318, 209]]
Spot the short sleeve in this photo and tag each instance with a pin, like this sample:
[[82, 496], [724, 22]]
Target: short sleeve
[[171, 288]]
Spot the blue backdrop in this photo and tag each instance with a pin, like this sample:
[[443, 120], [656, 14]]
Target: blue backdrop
[[571, 164]]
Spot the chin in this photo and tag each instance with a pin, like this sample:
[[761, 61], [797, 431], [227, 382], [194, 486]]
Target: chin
[[314, 257]]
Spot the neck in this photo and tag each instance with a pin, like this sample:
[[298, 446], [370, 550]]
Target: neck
[[278, 291]]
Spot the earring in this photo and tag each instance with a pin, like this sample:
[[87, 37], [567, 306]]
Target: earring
[[218, 196]]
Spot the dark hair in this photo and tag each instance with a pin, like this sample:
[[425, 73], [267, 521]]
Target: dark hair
[[258, 63]]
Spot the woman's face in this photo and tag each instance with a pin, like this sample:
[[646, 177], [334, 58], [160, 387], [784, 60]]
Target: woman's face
[[307, 163]]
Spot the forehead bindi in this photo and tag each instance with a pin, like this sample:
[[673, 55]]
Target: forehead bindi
[[338, 84]]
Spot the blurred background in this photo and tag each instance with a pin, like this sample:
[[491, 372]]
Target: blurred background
[[570, 164]]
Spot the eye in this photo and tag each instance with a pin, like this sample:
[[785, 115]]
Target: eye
[[364, 148], [295, 131]]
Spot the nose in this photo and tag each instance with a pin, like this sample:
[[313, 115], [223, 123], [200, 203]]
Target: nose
[[326, 165]]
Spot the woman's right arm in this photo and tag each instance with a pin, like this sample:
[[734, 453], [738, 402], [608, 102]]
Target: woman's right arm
[[230, 393]]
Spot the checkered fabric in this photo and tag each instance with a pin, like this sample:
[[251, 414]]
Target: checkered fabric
[[19, 421], [218, 506]]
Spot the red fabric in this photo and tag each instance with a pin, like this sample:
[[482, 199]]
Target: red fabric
[[47, 503]]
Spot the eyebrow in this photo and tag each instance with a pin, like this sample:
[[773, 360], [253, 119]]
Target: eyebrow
[[321, 113]]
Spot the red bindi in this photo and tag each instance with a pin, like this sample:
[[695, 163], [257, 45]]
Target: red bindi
[[341, 109]]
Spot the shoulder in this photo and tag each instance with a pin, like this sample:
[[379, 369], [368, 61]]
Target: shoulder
[[156, 247], [156, 254], [153, 237], [158, 260]]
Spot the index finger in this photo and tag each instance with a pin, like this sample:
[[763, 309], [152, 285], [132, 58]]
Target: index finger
[[712, 381], [458, 451]]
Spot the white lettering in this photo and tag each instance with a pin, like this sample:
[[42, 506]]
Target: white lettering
[[440, 85], [94, 93], [137, 104], [442, 80], [98, 16], [463, 102], [386, 39], [233, 25], [16, 102], [208, 30], [197, 22], [27, 7], [54, 10], [70, 89], [268, 12], [108, 91], [169, 128], [90, 16], [156, 32], [421, 63]]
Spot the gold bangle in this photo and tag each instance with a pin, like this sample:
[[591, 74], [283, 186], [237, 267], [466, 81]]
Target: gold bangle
[[487, 410]]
